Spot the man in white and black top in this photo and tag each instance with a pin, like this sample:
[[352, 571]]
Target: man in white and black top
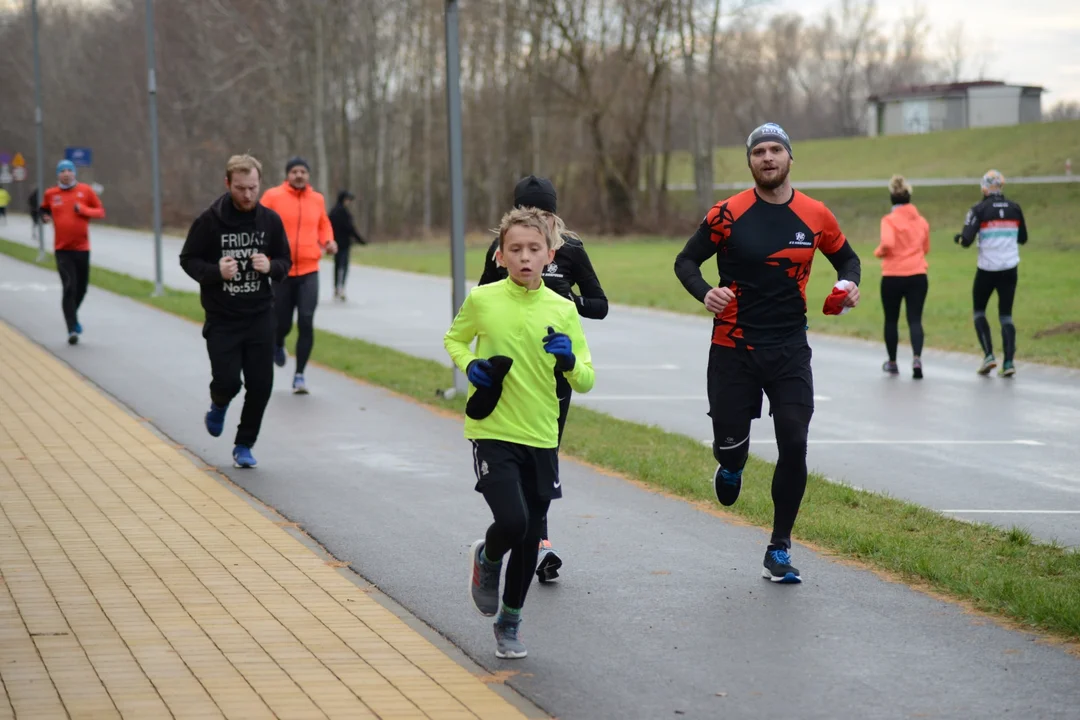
[[998, 223], [234, 249]]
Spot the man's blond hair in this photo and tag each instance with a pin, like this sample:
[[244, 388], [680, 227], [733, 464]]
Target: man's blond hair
[[526, 217], [242, 163]]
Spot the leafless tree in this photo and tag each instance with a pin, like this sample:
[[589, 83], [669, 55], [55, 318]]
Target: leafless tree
[[603, 96]]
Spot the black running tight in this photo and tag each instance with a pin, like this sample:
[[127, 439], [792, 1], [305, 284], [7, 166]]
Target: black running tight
[[565, 392], [518, 513], [911, 290], [1004, 283], [297, 294], [791, 424]]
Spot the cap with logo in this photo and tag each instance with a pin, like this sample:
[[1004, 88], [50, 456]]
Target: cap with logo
[[769, 132]]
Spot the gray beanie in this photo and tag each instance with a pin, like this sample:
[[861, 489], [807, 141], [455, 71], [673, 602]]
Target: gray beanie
[[769, 132]]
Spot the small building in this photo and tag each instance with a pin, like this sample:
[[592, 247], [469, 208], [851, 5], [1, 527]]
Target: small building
[[953, 106]]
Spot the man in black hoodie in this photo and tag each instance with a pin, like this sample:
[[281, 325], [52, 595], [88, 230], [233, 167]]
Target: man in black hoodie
[[234, 249]]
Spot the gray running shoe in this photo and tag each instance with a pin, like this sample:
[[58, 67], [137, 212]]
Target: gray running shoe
[[507, 644]]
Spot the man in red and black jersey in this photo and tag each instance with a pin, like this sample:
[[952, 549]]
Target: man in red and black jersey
[[764, 241]]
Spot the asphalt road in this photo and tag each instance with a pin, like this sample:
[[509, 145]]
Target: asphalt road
[[978, 448], [661, 612]]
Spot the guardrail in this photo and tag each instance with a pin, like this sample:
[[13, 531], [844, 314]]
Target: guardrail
[[915, 182]]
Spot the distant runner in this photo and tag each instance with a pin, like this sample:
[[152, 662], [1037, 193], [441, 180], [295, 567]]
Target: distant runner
[[71, 205], [303, 212], [905, 242], [998, 224]]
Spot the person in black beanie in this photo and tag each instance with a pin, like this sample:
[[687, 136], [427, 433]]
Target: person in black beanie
[[344, 234], [571, 267], [233, 250]]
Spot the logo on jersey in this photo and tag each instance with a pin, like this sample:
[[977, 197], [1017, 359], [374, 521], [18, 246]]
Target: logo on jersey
[[801, 241], [552, 268]]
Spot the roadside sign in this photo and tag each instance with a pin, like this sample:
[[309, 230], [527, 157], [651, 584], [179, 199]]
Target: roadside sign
[[19, 160], [5, 175], [5, 157], [19, 174], [81, 156]]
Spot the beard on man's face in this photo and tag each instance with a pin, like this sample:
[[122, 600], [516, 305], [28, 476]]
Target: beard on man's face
[[774, 179]]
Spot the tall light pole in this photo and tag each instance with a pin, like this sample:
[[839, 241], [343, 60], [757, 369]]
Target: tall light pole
[[39, 229], [151, 78], [457, 201]]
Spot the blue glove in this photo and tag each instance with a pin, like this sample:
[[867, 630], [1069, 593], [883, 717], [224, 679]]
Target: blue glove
[[477, 372], [559, 345]]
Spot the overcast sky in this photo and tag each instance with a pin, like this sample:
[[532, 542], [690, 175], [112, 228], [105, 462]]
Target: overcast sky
[[1030, 42]]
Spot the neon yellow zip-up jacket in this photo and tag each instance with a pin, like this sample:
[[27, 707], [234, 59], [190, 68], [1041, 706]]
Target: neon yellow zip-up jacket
[[508, 319]]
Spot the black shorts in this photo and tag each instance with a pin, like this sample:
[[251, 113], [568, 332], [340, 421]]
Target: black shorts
[[737, 377], [496, 461]]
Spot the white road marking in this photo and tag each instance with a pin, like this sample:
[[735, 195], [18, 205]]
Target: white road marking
[[659, 398], [1017, 512], [678, 398], [772, 441], [663, 366], [33, 286]]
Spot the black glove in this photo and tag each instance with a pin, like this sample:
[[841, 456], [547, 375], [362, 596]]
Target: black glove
[[957, 238]]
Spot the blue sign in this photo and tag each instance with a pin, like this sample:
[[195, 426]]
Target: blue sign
[[5, 157], [78, 155]]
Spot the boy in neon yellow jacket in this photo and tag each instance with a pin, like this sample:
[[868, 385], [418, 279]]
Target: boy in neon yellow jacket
[[525, 333]]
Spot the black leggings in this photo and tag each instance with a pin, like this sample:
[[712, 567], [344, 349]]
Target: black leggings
[[791, 424], [564, 391], [1004, 282], [910, 289], [299, 294], [74, 269], [518, 511], [341, 265]]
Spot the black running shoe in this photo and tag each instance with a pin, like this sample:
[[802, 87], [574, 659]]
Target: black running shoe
[[778, 567], [726, 485]]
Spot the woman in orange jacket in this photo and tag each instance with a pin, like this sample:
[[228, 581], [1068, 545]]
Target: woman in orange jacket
[[905, 242]]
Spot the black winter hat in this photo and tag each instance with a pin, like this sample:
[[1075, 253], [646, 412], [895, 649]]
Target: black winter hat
[[535, 192], [296, 161], [483, 401]]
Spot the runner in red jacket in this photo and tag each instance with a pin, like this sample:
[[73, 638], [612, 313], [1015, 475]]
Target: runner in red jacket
[[71, 205]]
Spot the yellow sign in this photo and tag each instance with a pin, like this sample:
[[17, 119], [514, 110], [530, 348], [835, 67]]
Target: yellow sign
[[19, 160]]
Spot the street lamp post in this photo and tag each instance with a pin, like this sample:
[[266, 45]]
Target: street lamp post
[[151, 76], [39, 228], [457, 202]]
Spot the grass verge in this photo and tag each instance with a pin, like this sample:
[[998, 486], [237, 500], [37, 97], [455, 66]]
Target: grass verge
[[638, 270], [998, 571], [1019, 150]]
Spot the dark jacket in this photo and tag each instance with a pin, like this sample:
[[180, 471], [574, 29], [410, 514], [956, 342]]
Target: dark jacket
[[222, 230], [570, 267], [342, 222], [999, 225]]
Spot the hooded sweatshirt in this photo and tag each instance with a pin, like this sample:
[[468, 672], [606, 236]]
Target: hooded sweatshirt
[[223, 230], [905, 242]]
